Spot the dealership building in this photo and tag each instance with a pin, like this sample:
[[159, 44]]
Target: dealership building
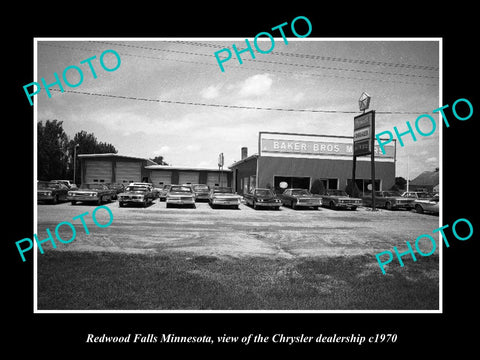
[[114, 168], [297, 160]]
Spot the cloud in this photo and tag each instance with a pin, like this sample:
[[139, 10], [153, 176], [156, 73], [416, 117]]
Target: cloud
[[163, 150], [211, 92], [256, 85]]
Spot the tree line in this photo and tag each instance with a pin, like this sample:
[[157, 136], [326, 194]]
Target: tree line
[[55, 150]]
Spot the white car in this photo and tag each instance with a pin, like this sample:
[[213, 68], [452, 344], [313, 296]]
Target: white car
[[427, 205]]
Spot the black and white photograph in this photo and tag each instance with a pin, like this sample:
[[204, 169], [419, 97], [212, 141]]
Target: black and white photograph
[[229, 186], [200, 181]]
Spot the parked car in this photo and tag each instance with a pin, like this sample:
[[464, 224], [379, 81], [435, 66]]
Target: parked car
[[153, 189], [389, 200], [262, 198], [163, 192], [90, 192], [116, 189], [136, 194], [416, 195], [427, 205], [339, 199], [69, 184], [180, 195], [296, 197], [224, 196], [201, 191], [52, 192]]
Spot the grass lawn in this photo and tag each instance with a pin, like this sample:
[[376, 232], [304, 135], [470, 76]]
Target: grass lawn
[[175, 281]]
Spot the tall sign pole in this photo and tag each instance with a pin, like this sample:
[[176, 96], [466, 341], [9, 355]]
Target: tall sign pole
[[364, 139], [220, 168]]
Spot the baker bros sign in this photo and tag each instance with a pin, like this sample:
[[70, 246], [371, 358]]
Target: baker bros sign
[[313, 145]]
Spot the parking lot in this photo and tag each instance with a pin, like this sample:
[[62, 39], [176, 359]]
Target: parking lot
[[238, 233], [155, 258]]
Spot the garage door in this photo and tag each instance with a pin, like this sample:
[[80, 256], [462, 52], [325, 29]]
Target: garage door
[[161, 177], [98, 171], [214, 180], [127, 172], [188, 177]]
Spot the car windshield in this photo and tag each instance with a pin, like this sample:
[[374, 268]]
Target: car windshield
[[223, 190], [263, 192], [300, 192], [424, 195], [181, 189], [337, 192], [136, 188], [92, 186], [200, 187], [166, 187], [48, 186]]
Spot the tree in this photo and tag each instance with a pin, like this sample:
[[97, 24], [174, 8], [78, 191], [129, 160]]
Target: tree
[[317, 187], [352, 189], [87, 144], [52, 146], [159, 160], [400, 184]]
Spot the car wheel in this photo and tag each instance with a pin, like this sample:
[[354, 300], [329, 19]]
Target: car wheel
[[277, 208], [121, 204], [315, 208], [388, 205], [73, 202], [254, 205], [418, 209], [167, 205], [99, 201], [294, 205], [354, 208], [332, 205]]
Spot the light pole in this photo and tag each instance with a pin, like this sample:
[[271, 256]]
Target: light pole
[[75, 161]]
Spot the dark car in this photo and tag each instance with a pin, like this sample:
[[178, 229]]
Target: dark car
[[339, 199], [116, 189], [201, 191], [162, 195], [90, 192], [52, 192], [390, 200], [136, 194], [296, 197], [180, 195], [262, 198]]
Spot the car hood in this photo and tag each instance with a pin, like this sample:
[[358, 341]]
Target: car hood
[[84, 191], [133, 193], [226, 195], [180, 193]]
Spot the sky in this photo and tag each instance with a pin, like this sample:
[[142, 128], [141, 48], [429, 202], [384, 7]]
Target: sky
[[319, 82]]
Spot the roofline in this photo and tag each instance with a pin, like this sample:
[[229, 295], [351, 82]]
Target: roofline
[[253, 156], [169, 167], [114, 155]]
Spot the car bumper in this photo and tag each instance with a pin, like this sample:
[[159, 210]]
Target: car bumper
[[131, 201], [268, 204], [189, 201], [226, 201], [309, 203], [82, 198], [347, 206]]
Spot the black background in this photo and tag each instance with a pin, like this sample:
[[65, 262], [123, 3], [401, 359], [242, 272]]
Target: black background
[[417, 333]]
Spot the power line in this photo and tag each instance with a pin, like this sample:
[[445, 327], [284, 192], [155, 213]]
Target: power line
[[329, 58], [246, 67], [274, 62], [192, 103]]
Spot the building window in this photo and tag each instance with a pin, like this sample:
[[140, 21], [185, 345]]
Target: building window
[[363, 185], [330, 184], [291, 182]]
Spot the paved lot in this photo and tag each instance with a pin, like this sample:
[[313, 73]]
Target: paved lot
[[239, 233]]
